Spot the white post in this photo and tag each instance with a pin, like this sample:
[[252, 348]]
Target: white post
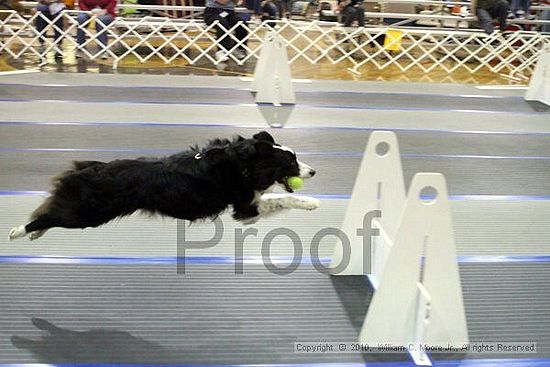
[[379, 186], [539, 86], [403, 311], [274, 82], [262, 62]]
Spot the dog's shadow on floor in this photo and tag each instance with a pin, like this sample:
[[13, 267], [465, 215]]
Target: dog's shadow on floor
[[58, 345]]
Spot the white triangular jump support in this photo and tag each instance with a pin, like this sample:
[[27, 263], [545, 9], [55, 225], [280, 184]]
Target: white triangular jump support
[[539, 85], [272, 79], [419, 299], [262, 62], [379, 186], [411, 261]]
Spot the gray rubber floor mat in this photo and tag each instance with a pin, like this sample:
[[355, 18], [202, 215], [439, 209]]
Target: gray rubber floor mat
[[222, 96], [129, 314], [486, 228], [336, 175], [148, 314], [162, 140], [179, 81]]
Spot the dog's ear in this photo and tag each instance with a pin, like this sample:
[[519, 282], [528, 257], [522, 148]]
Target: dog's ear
[[250, 148], [263, 148], [265, 136]]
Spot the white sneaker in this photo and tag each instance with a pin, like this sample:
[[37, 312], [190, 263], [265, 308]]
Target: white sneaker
[[520, 14], [221, 56]]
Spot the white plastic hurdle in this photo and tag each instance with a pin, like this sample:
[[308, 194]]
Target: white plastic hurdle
[[412, 261], [272, 79], [539, 85], [379, 186]]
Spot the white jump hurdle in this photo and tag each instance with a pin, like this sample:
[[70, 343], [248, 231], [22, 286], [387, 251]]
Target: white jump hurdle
[[539, 85], [272, 79], [412, 261]]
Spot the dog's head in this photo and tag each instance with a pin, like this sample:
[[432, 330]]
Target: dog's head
[[270, 163], [261, 162]]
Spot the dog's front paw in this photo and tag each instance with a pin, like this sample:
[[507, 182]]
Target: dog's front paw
[[308, 203], [16, 232]]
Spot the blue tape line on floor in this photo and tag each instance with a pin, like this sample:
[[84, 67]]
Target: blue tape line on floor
[[314, 154], [336, 107], [310, 91], [152, 260], [279, 260], [418, 130], [146, 102], [133, 124], [452, 197], [344, 128], [347, 196], [531, 362]]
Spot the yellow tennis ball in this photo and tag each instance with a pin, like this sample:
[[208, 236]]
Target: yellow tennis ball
[[295, 182]]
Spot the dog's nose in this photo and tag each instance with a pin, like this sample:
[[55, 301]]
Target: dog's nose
[[312, 172]]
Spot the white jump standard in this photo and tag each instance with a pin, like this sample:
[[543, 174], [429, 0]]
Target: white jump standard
[[412, 261]]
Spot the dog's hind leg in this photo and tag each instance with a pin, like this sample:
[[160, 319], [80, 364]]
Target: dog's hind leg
[[39, 226], [43, 222], [17, 232], [37, 234]]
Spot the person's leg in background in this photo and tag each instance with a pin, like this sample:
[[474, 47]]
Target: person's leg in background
[[283, 9], [348, 14], [227, 20], [269, 12], [485, 20], [224, 41], [241, 33], [545, 16], [520, 8], [101, 22], [360, 14], [80, 36], [59, 25], [499, 11], [210, 16], [526, 6], [41, 22], [280, 7], [514, 6], [254, 6]]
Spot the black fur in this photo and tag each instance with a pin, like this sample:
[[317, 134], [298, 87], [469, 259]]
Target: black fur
[[191, 185]]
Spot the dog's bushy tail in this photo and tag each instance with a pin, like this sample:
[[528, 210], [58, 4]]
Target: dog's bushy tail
[[77, 166], [56, 182], [43, 208]]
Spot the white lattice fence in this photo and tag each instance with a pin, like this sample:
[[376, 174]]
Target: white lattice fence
[[314, 42]]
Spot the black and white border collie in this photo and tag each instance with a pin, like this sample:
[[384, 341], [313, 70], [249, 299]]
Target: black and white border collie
[[191, 185]]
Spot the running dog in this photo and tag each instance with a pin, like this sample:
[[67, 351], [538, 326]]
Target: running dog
[[191, 185]]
